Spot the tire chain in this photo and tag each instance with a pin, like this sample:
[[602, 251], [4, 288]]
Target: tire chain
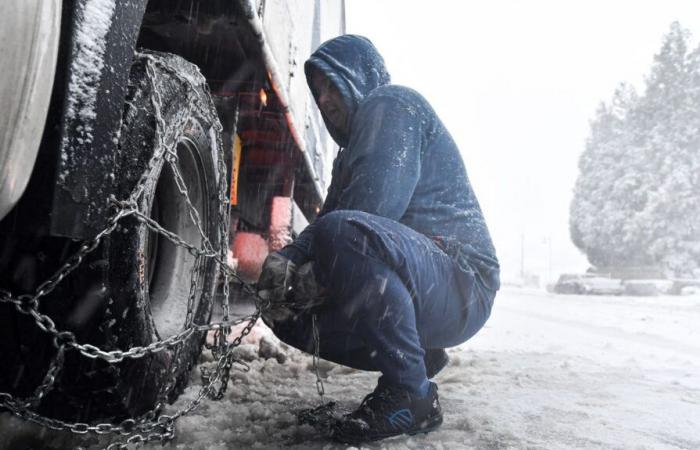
[[150, 426]]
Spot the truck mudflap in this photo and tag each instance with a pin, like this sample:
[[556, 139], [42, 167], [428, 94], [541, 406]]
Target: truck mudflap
[[103, 39]]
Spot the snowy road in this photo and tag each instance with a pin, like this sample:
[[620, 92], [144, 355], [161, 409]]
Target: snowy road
[[547, 372]]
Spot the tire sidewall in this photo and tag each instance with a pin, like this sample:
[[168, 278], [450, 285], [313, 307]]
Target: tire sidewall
[[129, 315]]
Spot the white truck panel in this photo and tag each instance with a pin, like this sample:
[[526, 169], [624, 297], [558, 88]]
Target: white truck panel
[[29, 35], [286, 24]]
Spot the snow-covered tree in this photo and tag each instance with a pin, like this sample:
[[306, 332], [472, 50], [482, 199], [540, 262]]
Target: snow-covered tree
[[598, 216], [637, 198]]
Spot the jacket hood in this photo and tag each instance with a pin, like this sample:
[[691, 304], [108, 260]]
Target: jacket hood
[[354, 66]]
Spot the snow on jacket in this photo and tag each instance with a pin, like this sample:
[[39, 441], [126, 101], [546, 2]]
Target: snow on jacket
[[397, 161]]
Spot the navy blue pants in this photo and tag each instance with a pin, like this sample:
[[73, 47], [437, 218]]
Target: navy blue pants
[[393, 293]]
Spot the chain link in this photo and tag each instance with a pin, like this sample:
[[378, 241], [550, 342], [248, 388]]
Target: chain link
[[151, 426], [316, 356], [49, 379]]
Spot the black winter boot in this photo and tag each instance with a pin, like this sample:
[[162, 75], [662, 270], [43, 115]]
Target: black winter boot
[[390, 411]]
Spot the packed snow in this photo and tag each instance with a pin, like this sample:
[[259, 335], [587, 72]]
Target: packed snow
[[547, 371]]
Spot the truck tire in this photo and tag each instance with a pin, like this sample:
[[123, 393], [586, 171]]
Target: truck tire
[[150, 277], [135, 289]]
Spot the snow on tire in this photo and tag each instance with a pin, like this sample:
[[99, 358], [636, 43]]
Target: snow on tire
[[150, 277], [134, 289]]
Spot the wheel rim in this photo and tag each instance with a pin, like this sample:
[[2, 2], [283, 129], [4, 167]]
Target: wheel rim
[[170, 266]]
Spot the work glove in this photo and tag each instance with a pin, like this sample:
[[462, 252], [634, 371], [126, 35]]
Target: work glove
[[290, 289], [274, 284], [306, 292]]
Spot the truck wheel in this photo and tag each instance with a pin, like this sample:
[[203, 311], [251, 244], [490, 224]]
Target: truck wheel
[[136, 288], [153, 281]]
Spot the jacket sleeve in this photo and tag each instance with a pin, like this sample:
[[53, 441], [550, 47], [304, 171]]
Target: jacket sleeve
[[383, 157], [300, 251]]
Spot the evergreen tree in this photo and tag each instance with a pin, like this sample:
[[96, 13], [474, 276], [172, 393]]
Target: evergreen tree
[[637, 198], [598, 223]]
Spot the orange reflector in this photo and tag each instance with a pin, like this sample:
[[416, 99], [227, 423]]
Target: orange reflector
[[235, 170]]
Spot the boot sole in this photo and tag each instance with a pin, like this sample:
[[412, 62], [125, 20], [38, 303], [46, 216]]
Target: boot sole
[[432, 424]]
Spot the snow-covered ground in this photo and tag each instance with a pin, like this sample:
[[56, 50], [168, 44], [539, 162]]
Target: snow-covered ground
[[548, 371]]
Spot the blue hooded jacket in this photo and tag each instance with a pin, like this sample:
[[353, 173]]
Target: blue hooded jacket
[[397, 161]]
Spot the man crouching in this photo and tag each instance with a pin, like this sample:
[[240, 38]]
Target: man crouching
[[399, 263]]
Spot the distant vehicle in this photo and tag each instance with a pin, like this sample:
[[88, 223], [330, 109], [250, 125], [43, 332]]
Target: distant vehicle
[[588, 284], [685, 286], [648, 288]]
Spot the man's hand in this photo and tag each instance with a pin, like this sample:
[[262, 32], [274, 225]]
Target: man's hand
[[276, 277], [306, 292], [274, 285], [289, 288]]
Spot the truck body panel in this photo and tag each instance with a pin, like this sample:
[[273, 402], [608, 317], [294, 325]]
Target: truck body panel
[[293, 30], [29, 34]]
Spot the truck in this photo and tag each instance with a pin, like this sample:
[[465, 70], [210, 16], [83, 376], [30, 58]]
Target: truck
[[144, 144]]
